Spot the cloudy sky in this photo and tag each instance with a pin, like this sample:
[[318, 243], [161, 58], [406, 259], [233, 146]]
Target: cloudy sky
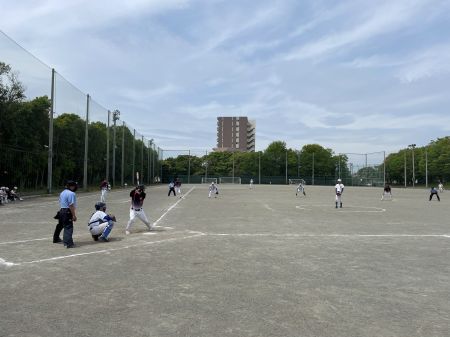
[[355, 76]]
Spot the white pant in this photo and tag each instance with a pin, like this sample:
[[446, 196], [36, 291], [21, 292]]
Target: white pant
[[338, 198], [178, 189], [103, 196], [137, 214]]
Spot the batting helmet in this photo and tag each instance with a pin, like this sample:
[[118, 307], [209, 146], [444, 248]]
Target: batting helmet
[[99, 205]]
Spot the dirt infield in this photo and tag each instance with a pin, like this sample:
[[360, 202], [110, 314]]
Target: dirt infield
[[252, 262]]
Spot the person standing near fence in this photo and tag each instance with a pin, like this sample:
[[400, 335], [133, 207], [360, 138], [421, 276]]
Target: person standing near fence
[[339, 189], [67, 214], [251, 183]]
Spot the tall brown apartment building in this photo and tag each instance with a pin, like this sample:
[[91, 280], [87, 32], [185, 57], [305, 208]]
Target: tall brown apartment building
[[235, 134]]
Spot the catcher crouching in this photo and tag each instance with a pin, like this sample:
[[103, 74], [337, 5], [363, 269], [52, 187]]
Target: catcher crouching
[[101, 224]]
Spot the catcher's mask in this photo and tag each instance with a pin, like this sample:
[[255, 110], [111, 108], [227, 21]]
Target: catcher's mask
[[100, 205]]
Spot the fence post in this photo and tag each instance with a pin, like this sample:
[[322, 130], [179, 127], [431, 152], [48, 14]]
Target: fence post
[[134, 156], [50, 136], [85, 180], [107, 147], [123, 156]]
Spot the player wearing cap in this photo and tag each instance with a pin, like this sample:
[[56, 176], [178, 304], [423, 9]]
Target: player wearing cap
[[100, 224], [137, 211], [300, 189], [213, 190], [66, 215], [339, 189]]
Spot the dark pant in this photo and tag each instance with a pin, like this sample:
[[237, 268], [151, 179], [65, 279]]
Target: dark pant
[[437, 195], [172, 189], [65, 221]]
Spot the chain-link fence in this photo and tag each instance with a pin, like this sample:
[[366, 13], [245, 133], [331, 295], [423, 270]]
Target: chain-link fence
[[63, 133], [195, 166]]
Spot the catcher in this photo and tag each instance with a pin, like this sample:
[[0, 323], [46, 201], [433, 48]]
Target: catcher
[[101, 224]]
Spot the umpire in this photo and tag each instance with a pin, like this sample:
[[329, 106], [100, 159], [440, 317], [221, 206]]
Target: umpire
[[66, 215]]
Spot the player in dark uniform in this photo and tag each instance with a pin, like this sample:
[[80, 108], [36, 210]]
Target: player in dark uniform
[[136, 210]]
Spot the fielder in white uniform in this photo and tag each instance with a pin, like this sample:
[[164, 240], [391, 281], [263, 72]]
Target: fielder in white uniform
[[339, 189], [137, 211], [300, 189], [251, 183], [178, 186], [100, 224], [441, 187], [213, 190]]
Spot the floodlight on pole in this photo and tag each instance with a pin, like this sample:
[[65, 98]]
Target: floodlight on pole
[[412, 147]]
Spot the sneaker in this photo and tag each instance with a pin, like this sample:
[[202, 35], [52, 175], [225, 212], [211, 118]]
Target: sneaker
[[71, 246], [95, 237], [58, 241], [127, 233], [101, 238]]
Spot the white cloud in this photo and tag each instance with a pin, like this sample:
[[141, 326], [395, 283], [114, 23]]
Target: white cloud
[[431, 62], [384, 19]]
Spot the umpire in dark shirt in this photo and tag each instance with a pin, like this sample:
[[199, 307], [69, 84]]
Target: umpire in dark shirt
[[67, 214]]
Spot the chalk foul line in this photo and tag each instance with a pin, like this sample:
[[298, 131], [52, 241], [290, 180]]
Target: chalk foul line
[[9, 264], [172, 207]]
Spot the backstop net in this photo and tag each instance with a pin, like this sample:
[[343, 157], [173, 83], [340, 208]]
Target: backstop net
[[229, 180]]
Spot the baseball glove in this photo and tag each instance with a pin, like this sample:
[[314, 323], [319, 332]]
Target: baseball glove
[[113, 217]]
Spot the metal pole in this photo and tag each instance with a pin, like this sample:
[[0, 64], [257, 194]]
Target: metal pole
[[286, 164], [114, 151], [134, 157], [148, 162], [85, 180], [107, 148], [233, 167], [405, 169], [298, 164], [161, 163], [123, 155], [50, 136], [414, 173], [313, 169], [141, 177], [339, 166], [426, 167], [153, 162], [384, 167], [189, 168], [206, 167], [259, 167]]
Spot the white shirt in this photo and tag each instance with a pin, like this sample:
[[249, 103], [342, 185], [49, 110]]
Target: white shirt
[[97, 218], [339, 188]]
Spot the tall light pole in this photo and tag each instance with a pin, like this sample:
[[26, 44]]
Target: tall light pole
[[412, 147], [116, 116]]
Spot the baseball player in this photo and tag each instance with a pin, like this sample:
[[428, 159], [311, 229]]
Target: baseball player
[[100, 224], [387, 192], [137, 211], [251, 183], [104, 187], [339, 189], [300, 189], [172, 189], [441, 187], [178, 186], [213, 190], [433, 192]]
